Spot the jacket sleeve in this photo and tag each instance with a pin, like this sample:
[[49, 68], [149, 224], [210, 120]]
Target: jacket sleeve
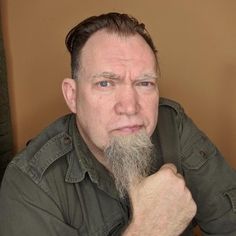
[[211, 180], [25, 209]]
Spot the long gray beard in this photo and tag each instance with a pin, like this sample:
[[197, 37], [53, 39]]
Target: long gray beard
[[130, 159]]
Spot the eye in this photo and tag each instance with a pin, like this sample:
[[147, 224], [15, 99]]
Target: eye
[[146, 84], [104, 84]]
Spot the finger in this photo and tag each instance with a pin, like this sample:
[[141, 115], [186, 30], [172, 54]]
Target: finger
[[169, 166], [179, 176]]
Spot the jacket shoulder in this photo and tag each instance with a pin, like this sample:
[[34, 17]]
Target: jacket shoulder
[[51, 144], [168, 104]]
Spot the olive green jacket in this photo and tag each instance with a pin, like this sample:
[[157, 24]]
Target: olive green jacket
[[56, 187]]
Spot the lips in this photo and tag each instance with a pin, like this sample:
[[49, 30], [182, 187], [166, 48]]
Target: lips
[[128, 129]]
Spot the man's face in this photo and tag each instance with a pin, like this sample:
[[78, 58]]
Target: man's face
[[116, 91]]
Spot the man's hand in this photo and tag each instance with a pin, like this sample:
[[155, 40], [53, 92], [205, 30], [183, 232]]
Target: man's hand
[[162, 204]]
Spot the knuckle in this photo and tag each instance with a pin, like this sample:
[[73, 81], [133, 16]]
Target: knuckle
[[170, 166], [180, 183], [194, 208], [192, 204], [168, 173]]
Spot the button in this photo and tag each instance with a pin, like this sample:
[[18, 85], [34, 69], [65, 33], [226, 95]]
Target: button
[[203, 154], [67, 140]]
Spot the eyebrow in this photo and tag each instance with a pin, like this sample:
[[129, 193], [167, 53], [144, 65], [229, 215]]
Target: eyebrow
[[113, 76], [106, 74], [148, 76]]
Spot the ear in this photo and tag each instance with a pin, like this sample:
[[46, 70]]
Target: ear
[[69, 93]]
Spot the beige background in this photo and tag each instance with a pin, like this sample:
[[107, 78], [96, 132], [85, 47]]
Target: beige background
[[197, 50]]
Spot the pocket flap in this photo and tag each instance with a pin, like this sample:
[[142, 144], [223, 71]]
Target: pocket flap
[[231, 194]]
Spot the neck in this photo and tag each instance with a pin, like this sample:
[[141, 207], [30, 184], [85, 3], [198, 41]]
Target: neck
[[97, 153]]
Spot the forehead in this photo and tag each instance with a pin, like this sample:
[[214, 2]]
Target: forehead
[[108, 47]]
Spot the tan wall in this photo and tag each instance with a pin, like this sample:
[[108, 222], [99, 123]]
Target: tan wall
[[196, 41]]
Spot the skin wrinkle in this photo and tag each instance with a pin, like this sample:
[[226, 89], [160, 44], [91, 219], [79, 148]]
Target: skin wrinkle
[[111, 75], [126, 106]]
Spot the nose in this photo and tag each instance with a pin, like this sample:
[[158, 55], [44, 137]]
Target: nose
[[127, 101]]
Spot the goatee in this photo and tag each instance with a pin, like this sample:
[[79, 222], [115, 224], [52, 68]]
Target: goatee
[[130, 159]]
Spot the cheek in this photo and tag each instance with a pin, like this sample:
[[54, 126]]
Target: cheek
[[150, 112], [154, 108], [96, 112]]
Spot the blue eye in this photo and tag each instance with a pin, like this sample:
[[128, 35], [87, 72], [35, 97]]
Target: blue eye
[[104, 83], [146, 83]]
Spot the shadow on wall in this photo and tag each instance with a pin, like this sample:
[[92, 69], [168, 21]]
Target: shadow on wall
[[5, 120], [225, 116]]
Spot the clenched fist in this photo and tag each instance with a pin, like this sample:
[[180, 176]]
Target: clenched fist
[[162, 204]]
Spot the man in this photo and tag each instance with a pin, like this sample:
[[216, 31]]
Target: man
[[108, 168]]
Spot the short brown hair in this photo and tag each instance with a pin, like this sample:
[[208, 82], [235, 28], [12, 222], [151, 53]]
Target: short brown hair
[[121, 24]]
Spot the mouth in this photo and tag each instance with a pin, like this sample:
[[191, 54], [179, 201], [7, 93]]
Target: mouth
[[130, 129]]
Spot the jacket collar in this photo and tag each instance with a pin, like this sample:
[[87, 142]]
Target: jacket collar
[[82, 164]]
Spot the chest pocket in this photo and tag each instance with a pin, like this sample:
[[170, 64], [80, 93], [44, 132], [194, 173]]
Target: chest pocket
[[198, 155], [101, 214], [112, 227]]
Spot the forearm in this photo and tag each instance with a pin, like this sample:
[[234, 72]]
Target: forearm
[[139, 229]]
